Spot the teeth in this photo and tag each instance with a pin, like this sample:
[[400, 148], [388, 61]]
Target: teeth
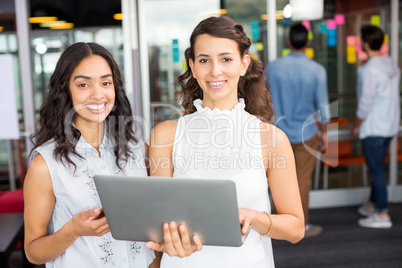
[[215, 84], [95, 107]]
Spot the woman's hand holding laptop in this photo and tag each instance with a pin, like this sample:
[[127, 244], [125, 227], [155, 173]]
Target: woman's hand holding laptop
[[176, 241]]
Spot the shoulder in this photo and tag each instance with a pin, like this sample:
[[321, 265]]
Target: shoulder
[[38, 170], [164, 132], [272, 137]]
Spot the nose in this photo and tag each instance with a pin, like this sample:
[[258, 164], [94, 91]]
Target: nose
[[216, 69], [97, 92]]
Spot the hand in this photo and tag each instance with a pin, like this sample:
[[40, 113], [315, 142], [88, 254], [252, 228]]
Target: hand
[[355, 131], [324, 143], [176, 244], [246, 217], [86, 223]]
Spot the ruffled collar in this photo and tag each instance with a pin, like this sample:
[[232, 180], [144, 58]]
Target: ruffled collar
[[240, 106]]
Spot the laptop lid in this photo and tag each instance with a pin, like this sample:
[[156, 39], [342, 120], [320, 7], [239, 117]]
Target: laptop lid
[[137, 207]]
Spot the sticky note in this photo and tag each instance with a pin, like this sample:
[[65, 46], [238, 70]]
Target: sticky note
[[331, 33], [386, 38], [384, 49], [260, 46], [306, 23], [350, 40], [323, 27], [310, 35], [375, 20], [339, 19], [254, 55], [331, 38], [359, 48], [351, 54], [362, 55], [331, 24], [285, 52], [309, 53], [331, 42]]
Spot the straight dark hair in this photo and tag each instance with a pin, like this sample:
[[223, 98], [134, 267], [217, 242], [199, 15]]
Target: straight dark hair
[[373, 36], [57, 112], [298, 36], [252, 86]]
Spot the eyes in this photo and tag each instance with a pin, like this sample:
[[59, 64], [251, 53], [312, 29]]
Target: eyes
[[225, 59], [104, 84]]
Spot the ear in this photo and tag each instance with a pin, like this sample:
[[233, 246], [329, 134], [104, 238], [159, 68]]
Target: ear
[[190, 61], [308, 43], [246, 60]]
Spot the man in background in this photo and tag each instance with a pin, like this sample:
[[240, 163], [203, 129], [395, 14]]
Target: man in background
[[377, 121], [298, 87]]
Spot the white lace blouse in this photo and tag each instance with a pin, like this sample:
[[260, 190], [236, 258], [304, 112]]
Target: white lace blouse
[[75, 191]]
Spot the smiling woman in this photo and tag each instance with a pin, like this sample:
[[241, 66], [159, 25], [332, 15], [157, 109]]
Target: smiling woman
[[78, 138], [226, 133]]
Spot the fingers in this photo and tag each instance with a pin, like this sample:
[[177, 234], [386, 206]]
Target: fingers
[[197, 243], [245, 227], [176, 241]]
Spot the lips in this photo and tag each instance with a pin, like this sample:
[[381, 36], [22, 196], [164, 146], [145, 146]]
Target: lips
[[96, 107], [217, 84]]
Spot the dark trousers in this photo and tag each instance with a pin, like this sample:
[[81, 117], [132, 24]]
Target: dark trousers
[[375, 151]]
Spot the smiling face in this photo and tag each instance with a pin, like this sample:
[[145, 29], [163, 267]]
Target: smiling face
[[92, 91], [217, 66]]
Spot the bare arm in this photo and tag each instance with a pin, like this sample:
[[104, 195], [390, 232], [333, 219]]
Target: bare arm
[[288, 223], [39, 202]]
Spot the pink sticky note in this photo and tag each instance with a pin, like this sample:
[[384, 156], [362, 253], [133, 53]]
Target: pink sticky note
[[340, 19], [331, 24], [384, 49], [351, 40], [362, 55], [359, 48], [306, 23]]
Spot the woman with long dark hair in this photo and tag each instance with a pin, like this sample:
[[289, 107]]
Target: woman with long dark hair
[[85, 128], [226, 132]]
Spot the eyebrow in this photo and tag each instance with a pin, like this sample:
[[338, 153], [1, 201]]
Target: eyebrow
[[89, 78], [220, 54]]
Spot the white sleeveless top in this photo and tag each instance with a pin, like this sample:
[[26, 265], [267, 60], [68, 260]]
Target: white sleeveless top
[[75, 191], [224, 144]]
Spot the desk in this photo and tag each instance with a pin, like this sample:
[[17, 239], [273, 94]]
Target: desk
[[11, 232]]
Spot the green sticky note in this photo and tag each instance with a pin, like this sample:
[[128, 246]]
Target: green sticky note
[[260, 46], [285, 51], [310, 35], [375, 20]]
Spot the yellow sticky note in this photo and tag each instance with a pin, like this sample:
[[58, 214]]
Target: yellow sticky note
[[309, 53], [285, 52], [351, 54], [310, 35], [375, 20], [386, 38], [260, 46], [254, 55]]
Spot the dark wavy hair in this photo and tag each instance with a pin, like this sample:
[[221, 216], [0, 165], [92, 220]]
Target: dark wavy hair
[[57, 112], [252, 86]]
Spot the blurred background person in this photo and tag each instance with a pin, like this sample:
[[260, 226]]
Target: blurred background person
[[298, 86]]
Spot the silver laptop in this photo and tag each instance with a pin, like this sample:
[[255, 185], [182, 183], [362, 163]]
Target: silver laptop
[[137, 207]]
